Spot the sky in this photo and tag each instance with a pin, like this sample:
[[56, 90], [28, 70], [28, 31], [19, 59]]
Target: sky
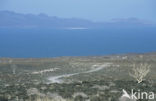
[[95, 10]]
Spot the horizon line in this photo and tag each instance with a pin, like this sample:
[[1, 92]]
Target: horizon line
[[108, 21]]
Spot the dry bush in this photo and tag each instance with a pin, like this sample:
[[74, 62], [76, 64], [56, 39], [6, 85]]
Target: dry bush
[[139, 72]]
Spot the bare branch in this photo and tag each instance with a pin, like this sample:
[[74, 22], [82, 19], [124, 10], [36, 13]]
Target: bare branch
[[140, 72]]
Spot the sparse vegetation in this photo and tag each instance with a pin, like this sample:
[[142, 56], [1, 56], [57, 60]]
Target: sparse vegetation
[[29, 81]]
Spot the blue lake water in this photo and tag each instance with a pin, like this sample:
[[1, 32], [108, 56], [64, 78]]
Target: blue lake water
[[91, 42]]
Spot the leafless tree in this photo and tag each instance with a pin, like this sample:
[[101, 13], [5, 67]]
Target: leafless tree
[[139, 72]]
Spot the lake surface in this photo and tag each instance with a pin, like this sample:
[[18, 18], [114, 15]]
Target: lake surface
[[37, 43]]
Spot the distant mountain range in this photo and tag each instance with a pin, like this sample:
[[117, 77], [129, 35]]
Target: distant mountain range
[[9, 19]]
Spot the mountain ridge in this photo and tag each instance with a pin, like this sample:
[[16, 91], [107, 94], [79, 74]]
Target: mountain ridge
[[10, 19]]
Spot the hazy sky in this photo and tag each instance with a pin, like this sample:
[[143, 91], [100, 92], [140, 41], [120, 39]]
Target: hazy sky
[[96, 10]]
